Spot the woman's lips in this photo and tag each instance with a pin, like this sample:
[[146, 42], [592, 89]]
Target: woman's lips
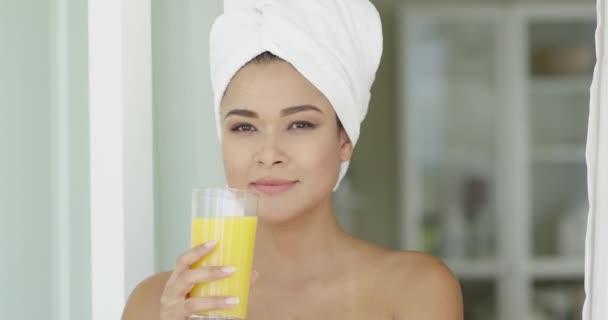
[[273, 186]]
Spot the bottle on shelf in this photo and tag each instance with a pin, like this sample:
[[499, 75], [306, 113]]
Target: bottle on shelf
[[480, 219], [453, 244]]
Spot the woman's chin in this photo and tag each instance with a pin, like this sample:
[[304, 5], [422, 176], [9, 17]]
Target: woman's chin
[[275, 217]]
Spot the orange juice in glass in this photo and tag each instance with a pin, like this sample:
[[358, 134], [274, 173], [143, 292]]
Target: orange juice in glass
[[228, 216]]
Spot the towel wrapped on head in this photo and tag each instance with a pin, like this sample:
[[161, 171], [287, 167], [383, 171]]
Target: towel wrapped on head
[[334, 44]]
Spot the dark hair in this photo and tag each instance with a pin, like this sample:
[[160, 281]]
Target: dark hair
[[265, 57], [268, 57]]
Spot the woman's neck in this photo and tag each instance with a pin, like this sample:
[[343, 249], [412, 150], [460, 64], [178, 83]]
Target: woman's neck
[[312, 243]]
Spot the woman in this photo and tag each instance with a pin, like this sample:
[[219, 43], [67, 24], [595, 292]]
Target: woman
[[291, 81]]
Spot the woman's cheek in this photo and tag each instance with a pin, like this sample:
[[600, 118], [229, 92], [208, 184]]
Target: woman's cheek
[[319, 156], [235, 164]]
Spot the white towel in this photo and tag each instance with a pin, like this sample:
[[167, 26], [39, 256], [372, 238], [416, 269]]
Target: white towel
[[596, 255], [335, 44]]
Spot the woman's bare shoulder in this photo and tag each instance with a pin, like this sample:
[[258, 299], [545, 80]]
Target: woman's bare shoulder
[[410, 265], [426, 288], [144, 301]]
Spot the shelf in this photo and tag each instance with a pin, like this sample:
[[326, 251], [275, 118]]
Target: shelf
[[558, 268], [559, 154], [473, 269], [560, 84]]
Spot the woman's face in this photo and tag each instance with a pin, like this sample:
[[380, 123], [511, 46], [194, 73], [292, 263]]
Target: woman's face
[[280, 138]]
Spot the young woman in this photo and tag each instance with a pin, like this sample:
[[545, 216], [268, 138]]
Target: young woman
[[288, 133]]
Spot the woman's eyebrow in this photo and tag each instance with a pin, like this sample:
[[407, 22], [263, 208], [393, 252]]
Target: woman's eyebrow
[[285, 112], [296, 109], [242, 112]]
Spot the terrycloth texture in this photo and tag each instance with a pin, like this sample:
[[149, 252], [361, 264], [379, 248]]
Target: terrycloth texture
[[335, 44]]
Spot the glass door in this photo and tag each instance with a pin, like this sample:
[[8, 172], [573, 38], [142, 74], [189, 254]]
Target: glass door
[[453, 95], [561, 58]]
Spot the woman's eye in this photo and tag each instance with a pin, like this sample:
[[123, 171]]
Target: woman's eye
[[242, 127], [301, 125]]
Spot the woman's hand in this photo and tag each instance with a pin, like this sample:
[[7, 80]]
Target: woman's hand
[[175, 303]]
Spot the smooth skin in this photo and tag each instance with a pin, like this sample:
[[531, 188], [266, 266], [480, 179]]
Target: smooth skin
[[276, 124]]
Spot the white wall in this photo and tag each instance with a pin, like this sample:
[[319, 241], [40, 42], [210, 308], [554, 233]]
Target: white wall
[[25, 156], [187, 153], [43, 161], [70, 149]]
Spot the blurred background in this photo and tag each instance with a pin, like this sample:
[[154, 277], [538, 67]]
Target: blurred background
[[472, 150]]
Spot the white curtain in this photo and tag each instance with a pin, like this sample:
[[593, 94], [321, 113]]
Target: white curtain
[[596, 257]]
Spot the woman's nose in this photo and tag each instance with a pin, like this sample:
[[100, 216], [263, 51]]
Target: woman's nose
[[270, 153]]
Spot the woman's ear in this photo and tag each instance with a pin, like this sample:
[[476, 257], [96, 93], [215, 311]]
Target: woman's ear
[[346, 146]]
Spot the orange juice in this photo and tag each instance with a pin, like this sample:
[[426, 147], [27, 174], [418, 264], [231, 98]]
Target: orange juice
[[235, 238]]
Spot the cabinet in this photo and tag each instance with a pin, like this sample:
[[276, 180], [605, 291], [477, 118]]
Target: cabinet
[[493, 122]]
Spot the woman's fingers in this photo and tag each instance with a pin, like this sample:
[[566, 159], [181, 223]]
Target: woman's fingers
[[183, 309], [193, 305], [175, 303], [187, 279], [191, 256]]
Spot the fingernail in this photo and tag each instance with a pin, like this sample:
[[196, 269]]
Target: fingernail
[[210, 244], [228, 269], [232, 301]]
